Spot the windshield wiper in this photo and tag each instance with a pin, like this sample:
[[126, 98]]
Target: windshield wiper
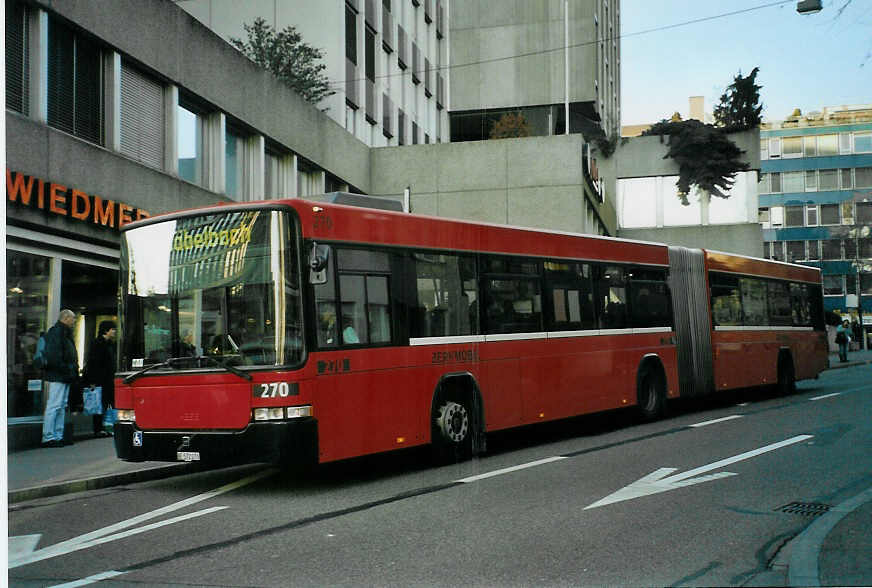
[[173, 361], [232, 369], [168, 363]]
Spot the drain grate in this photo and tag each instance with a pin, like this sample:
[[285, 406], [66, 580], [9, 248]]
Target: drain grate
[[806, 509]]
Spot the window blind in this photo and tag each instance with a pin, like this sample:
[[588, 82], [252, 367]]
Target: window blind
[[142, 117]]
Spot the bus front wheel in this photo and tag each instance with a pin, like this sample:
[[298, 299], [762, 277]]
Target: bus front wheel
[[453, 431]]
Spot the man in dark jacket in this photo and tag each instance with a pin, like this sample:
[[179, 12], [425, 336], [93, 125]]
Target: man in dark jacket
[[100, 370], [61, 370]]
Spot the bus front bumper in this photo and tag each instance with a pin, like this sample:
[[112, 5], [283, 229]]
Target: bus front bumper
[[287, 442]]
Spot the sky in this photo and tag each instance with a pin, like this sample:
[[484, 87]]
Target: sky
[[805, 61]]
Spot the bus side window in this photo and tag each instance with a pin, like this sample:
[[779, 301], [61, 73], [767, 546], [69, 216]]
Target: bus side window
[[611, 288], [649, 299], [568, 288], [447, 296], [325, 307], [726, 300], [364, 297]]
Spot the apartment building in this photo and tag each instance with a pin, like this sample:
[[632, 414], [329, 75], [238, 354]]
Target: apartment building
[[816, 199], [543, 60], [385, 59]]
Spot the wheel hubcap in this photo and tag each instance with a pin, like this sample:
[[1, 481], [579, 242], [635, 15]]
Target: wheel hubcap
[[453, 422]]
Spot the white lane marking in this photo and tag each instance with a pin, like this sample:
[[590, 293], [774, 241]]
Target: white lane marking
[[22, 545], [90, 579], [523, 466], [826, 396], [53, 551], [712, 422], [63, 547], [661, 481]]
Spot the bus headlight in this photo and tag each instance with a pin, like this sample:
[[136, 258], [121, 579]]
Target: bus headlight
[[125, 414], [278, 413]]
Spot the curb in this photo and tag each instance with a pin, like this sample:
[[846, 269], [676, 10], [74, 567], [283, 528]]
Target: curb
[[803, 569], [99, 482], [848, 364]]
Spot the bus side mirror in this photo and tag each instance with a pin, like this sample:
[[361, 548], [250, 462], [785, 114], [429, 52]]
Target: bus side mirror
[[318, 258]]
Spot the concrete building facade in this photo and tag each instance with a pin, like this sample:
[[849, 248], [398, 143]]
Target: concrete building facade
[[385, 59], [816, 199]]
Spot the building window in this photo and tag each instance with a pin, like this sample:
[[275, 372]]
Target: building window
[[864, 213], [834, 286], [775, 181], [74, 82], [791, 146], [809, 146], [863, 177], [795, 250], [401, 127], [811, 216], [778, 250], [828, 145], [814, 250], [831, 249], [828, 179], [764, 148], [865, 246], [810, 180], [190, 141], [793, 216], [844, 143], [775, 148], [850, 248], [830, 214], [847, 179], [350, 34], [793, 181], [272, 173], [862, 142], [234, 162], [142, 117], [17, 58]]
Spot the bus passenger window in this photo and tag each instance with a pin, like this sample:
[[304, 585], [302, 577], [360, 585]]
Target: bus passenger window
[[726, 300], [364, 308], [612, 298], [447, 296], [571, 296], [754, 304]]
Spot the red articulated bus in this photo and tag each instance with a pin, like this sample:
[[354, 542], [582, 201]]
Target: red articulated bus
[[298, 331]]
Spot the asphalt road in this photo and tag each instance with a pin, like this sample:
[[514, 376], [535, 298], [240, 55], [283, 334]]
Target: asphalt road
[[696, 499]]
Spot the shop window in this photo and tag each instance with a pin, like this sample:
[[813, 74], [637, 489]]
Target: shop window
[[28, 282], [74, 95], [447, 296], [190, 141], [142, 117], [17, 57]]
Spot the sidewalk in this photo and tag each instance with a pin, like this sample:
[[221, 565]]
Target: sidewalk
[[833, 550]]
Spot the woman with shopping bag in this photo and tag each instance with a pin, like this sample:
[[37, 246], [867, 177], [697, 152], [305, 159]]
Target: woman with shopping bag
[[100, 374]]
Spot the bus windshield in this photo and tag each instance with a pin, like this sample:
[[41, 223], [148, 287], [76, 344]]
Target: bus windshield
[[224, 284]]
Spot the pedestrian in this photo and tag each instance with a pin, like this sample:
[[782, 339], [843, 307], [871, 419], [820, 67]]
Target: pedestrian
[[100, 371], [843, 339], [61, 370]]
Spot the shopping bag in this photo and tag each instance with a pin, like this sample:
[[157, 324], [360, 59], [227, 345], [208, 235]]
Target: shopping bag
[[92, 397], [109, 419]]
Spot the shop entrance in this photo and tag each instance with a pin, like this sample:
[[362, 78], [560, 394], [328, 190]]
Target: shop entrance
[[92, 293]]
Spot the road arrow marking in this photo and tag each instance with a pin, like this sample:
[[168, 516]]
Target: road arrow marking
[[23, 545], [660, 480]]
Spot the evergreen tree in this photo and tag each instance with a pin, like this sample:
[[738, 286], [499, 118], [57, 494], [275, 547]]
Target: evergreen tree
[[290, 59], [740, 107]]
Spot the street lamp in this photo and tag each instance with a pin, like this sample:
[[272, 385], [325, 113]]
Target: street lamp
[[808, 6]]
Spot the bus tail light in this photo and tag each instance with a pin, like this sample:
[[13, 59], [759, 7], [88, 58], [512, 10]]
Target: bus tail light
[[278, 413], [125, 414]]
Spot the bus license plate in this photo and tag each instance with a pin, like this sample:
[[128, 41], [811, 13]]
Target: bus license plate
[[188, 455]]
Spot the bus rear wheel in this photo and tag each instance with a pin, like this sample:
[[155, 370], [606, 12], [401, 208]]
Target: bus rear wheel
[[452, 428], [651, 396]]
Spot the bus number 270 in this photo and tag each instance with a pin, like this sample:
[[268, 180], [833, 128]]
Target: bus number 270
[[275, 389]]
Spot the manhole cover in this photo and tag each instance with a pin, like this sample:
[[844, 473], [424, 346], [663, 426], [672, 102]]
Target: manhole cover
[[806, 509]]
